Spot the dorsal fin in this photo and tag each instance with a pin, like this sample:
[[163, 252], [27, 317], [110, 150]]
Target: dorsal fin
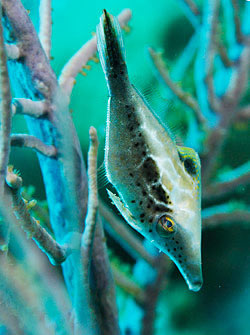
[[163, 108], [102, 177]]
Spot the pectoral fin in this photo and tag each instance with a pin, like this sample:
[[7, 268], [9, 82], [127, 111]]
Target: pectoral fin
[[124, 211]]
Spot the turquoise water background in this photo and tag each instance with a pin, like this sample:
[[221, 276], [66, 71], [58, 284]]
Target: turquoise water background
[[161, 25], [222, 306]]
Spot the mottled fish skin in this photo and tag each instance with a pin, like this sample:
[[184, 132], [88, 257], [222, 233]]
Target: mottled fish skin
[[158, 183]]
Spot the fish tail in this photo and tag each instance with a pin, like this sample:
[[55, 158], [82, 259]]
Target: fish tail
[[112, 53]]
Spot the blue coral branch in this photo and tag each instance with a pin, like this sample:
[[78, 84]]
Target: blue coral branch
[[204, 60], [65, 182]]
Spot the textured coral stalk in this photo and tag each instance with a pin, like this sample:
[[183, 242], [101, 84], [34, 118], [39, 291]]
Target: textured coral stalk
[[30, 107], [183, 96], [90, 221], [123, 232], [5, 109], [87, 319], [45, 25], [30, 225], [29, 141]]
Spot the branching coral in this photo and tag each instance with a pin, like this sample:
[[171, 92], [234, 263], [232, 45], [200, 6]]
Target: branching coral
[[223, 107], [73, 236], [53, 135]]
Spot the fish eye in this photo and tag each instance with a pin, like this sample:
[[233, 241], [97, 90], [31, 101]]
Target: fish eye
[[165, 226], [190, 166]]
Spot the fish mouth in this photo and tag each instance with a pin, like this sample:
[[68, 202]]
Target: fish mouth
[[193, 276], [195, 285]]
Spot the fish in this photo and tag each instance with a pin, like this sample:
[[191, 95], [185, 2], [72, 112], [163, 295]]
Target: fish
[[158, 183]]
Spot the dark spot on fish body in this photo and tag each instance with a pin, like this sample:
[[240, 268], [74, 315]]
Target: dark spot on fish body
[[129, 119], [161, 208], [150, 170], [112, 41], [160, 193]]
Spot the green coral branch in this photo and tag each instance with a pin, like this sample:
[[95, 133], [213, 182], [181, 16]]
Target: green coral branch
[[29, 141], [228, 181], [228, 213], [30, 225], [90, 221], [192, 12], [218, 219], [125, 234], [152, 293], [40, 209], [86, 320], [186, 98], [128, 285]]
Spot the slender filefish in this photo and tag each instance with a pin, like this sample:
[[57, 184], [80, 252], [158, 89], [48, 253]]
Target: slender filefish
[[158, 182]]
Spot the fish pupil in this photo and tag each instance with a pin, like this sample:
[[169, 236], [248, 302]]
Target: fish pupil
[[165, 227], [166, 222], [190, 166]]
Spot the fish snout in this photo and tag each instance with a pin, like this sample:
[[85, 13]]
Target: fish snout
[[188, 261], [192, 274]]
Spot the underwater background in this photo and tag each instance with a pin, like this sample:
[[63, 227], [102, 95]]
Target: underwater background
[[221, 307]]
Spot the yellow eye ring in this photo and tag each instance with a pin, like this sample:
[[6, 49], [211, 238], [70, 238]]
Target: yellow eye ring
[[165, 226]]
